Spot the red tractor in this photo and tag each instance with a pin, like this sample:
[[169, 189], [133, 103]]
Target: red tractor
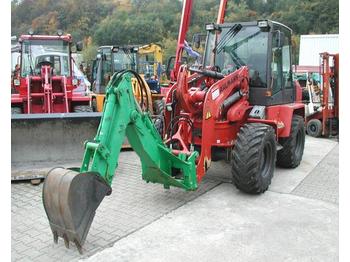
[[241, 105], [44, 81]]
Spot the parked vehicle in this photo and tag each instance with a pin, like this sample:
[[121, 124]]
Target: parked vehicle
[[45, 82]]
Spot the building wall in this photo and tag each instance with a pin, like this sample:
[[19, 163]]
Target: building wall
[[312, 45]]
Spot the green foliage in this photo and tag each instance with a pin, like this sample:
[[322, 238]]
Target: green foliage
[[170, 44], [143, 21], [90, 49]]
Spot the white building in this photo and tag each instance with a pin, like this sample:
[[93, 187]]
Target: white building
[[312, 45]]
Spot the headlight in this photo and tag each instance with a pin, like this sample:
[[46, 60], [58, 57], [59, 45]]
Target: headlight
[[263, 23], [75, 82], [16, 82], [209, 27]]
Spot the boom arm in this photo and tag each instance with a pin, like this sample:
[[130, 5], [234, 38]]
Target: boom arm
[[221, 14], [122, 117], [184, 25]]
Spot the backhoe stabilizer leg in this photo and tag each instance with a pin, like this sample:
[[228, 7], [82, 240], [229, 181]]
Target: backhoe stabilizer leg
[[159, 164]]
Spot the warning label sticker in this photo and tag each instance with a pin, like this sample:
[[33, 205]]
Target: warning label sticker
[[215, 94]]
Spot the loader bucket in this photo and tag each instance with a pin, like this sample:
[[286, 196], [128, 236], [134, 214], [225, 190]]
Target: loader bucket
[[57, 140], [70, 201], [53, 137]]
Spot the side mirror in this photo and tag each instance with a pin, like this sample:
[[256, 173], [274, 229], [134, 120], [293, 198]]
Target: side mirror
[[196, 40], [79, 46]]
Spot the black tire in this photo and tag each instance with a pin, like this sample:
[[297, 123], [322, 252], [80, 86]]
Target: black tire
[[158, 123], [253, 158], [314, 127], [94, 105], [158, 107], [16, 110], [293, 146], [158, 119], [82, 108]]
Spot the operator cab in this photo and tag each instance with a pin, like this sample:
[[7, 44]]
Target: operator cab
[[111, 59], [39, 52], [265, 47], [57, 61]]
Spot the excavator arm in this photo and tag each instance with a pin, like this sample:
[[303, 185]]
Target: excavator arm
[[122, 117], [71, 198]]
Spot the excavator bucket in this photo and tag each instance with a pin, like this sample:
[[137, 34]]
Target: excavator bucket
[[70, 201]]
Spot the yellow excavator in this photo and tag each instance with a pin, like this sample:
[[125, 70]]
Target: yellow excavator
[[146, 60], [150, 60]]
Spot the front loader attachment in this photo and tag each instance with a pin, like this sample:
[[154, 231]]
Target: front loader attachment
[[40, 141], [70, 201]]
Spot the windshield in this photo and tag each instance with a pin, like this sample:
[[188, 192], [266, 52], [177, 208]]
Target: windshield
[[110, 62], [146, 65], [48, 52], [14, 60], [238, 46], [124, 59]]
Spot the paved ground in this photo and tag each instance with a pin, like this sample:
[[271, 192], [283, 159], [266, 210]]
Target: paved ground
[[132, 205], [226, 225], [302, 217], [323, 182]]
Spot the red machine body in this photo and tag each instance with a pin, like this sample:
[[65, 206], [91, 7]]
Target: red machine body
[[206, 109], [213, 125], [48, 86]]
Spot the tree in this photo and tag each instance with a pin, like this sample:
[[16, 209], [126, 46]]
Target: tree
[[143, 21]]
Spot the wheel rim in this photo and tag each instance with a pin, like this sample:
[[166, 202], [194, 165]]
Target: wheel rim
[[313, 128], [266, 159]]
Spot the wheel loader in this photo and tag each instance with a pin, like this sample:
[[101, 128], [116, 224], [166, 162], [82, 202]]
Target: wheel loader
[[45, 82], [50, 108], [239, 106]]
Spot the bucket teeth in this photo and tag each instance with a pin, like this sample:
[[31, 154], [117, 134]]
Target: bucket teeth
[[66, 241], [55, 237], [79, 247], [70, 201]]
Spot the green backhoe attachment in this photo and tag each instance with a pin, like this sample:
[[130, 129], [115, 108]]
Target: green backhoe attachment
[[71, 198]]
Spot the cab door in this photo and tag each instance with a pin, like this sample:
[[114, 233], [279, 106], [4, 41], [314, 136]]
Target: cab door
[[281, 73]]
